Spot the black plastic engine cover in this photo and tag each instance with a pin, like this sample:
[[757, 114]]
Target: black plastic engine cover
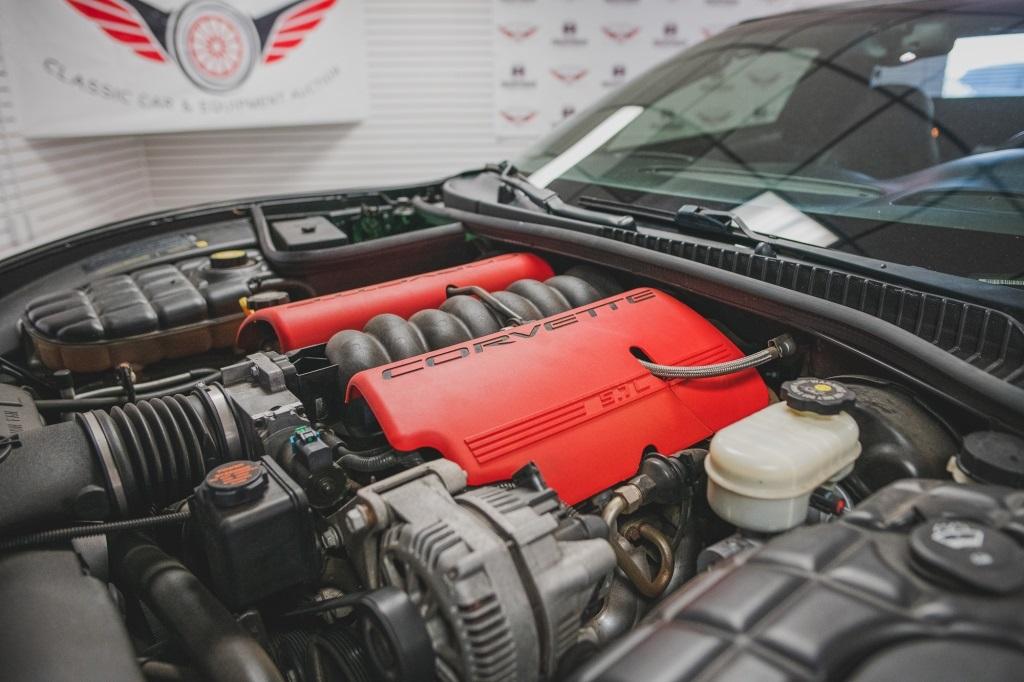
[[925, 580]]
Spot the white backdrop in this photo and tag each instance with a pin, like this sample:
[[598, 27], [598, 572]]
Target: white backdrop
[[433, 109], [100, 67], [555, 58]]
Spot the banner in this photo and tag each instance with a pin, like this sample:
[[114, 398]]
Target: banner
[[556, 57], [96, 67]]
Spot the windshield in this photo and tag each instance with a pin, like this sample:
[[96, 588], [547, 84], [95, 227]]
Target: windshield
[[893, 131]]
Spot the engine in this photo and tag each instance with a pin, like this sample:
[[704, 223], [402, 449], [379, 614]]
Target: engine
[[600, 401], [486, 472]]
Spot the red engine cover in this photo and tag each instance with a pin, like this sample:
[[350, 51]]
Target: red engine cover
[[306, 323], [566, 393]]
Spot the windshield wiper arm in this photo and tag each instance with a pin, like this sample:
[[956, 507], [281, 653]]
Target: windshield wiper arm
[[702, 217], [688, 217], [548, 200]]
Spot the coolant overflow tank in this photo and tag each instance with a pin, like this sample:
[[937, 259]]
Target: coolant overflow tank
[[763, 468]]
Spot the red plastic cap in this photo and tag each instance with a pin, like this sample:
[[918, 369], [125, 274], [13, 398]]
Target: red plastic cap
[[307, 323], [566, 393]]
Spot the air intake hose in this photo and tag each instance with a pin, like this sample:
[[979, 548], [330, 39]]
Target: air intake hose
[[126, 461]]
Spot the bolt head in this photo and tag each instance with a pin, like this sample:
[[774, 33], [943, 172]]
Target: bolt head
[[330, 538], [356, 520]]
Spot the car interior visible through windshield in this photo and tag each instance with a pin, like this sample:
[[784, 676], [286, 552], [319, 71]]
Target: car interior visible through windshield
[[863, 130]]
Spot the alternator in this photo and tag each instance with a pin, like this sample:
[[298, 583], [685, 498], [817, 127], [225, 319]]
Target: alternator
[[501, 592]]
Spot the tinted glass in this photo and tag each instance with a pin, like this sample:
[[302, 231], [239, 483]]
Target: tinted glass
[[895, 132]]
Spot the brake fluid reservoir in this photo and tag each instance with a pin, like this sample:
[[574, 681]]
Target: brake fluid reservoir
[[762, 469]]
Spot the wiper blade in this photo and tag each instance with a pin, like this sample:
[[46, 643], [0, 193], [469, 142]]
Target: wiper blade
[[692, 215], [548, 200], [686, 217]]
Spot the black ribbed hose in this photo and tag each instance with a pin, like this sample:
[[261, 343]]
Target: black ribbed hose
[[161, 447], [214, 642], [129, 461]]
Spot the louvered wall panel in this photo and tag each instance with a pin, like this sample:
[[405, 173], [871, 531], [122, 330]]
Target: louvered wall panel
[[431, 96], [53, 187]]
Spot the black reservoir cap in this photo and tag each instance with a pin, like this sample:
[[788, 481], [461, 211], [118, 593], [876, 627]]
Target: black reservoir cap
[[267, 299], [969, 553], [820, 396], [235, 483], [993, 457]]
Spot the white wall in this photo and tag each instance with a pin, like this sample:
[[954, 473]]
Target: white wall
[[51, 187], [431, 74], [430, 68]]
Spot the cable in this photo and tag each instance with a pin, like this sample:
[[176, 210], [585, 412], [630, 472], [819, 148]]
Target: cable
[[48, 536], [91, 401], [331, 604], [25, 375], [201, 373], [779, 347]]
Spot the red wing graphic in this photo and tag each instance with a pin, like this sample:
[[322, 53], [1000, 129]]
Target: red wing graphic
[[123, 23], [621, 34], [569, 75], [517, 32], [518, 118], [292, 27]]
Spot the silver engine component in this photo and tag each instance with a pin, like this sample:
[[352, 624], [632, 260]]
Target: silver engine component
[[502, 597], [266, 412]]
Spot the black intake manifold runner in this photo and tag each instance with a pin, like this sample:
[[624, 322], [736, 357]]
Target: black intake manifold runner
[[387, 338]]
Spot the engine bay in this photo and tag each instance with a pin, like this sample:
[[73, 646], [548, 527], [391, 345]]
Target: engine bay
[[460, 457]]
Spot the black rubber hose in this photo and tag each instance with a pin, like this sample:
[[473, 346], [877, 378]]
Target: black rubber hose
[[129, 461], [370, 465], [219, 648], [72, 404], [161, 448], [51, 478], [369, 461], [158, 387]]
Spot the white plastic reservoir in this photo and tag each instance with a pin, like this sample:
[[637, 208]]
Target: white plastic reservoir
[[763, 468]]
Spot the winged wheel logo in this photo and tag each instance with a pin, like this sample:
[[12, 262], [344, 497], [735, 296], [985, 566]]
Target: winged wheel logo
[[215, 45], [621, 33]]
